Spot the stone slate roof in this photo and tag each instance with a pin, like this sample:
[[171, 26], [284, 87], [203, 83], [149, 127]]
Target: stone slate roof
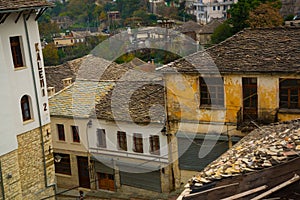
[[78, 99], [55, 74], [123, 104], [189, 26], [93, 90], [265, 50], [262, 148], [6, 5], [211, 26]]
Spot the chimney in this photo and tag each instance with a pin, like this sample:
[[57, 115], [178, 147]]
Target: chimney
[[67, 82], [51, 91]]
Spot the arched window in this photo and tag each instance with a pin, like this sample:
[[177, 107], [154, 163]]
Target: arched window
[[25, 106]]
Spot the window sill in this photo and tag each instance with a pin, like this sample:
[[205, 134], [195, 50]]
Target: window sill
[[20, 68], [63, 175], [28, 121], [76, 143], [101, 147], [60, 141], [289, 111], [208, 107]]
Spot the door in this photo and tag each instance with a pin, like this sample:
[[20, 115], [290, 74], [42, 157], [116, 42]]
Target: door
[[106, 181], [249, 99], [146, 180], [83, 172]]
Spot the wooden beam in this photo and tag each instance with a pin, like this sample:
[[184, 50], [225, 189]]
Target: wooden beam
[[31, 11], [278, 187], [4, 18], [216, 188], [42, 10], [1, 15], [20, 13], [246, 193]]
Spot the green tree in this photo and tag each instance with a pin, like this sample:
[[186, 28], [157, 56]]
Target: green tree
[[222, 32], [239, 12], [50, 54], [48, 30]]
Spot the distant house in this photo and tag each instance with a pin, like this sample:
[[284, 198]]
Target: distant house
[[63, 22], [206, 10], [250, 78], [71, 38], [190, 29], [204, 35]]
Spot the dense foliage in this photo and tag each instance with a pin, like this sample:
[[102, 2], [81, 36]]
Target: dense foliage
[[249, 13]]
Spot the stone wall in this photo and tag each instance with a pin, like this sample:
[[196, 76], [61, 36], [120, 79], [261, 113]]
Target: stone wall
[[31, 164], [10, 176]]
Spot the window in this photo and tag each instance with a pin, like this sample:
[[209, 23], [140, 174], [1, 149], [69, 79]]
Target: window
[[154, 144], [16, 51], [101, 139], [25, 107], [214, 7], [122, 141], [138, 143], [289, 93], [61, 132], [211, 91], [75, 133], [62, 163]]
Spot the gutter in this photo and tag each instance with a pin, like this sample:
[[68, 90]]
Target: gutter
[[38, 109]]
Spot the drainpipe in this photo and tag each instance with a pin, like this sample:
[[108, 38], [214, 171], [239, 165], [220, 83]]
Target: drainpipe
[[2, 185], [38, 109]]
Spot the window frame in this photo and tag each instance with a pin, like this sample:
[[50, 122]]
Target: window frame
[[61, 132], [64, 165], [122, 140], [101, 138], [154, 144], [206, 91], [17, 51], [26, 109], [75, 134], [289, 87], [138, 143]]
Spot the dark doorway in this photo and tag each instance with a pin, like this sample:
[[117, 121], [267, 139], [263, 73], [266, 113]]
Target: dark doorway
[[249, 99], [83, 172]]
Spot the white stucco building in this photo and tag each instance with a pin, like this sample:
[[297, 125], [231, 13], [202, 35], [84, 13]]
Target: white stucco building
[[206, 10], [112, 138], [25, 119]]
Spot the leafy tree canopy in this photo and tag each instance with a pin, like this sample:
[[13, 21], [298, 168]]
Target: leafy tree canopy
[[249, 13], [239, 12], [265, 15]]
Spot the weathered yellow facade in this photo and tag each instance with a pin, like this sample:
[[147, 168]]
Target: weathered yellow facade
[[186, 115]]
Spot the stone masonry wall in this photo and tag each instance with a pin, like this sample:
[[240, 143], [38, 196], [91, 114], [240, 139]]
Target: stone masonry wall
[[31, 164], [10, 176]]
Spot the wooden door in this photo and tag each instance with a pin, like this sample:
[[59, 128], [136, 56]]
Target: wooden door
[[249, 99], [106, 181], [83, 172]]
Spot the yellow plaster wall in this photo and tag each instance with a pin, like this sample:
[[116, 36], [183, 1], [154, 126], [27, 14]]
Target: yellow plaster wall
[[268, 97], [184, 99], [233, 96]]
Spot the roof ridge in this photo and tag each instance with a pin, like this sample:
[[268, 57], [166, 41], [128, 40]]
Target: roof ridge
[[64, 89]]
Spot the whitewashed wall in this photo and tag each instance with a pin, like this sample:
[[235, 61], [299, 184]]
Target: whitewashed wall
[[111, 130], [16, 83]]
